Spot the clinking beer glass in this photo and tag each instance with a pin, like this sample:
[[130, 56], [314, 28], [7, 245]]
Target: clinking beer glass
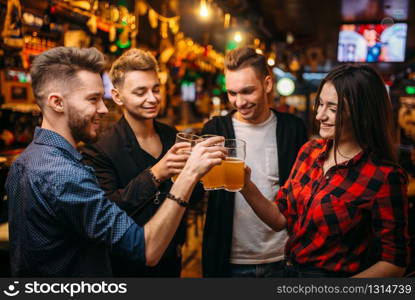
[[230, 174], [185, 137], [214, 179], [234, 164]]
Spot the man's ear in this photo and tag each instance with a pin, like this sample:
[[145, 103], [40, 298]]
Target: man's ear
[[55, 102], [116, 97], [268, 83]]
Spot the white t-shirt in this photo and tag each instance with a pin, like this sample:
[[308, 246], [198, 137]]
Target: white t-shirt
[[253, 241]]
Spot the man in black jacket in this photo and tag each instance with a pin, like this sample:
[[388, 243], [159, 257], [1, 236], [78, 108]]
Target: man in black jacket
[[136, 158], [236, 243]]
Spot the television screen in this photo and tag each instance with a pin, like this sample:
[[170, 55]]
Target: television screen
[[369, 10], [372, 43]]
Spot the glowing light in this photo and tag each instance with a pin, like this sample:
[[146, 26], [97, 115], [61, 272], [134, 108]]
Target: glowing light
[[410, 90], [295, 65], [238, 37], [259, 51], [204, 10], [113, 48], [285, 86], [227, 21], [216, 101], [271, 59], [290, 38]]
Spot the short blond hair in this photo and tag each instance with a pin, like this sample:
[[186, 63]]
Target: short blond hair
[[132, 60]]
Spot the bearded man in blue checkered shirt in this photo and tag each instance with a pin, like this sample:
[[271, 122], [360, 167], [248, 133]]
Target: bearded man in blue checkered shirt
[[61, 223]]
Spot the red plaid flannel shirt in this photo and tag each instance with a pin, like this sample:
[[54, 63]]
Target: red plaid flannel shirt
[[353, 216]]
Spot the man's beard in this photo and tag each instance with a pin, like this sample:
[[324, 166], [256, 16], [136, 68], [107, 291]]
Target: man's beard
[[79, 128]]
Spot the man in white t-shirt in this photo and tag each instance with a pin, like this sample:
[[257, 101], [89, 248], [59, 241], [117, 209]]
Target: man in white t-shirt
[[236, 242]]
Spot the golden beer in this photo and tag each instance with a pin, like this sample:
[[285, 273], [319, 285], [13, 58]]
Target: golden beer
[[234, 172], [214, 179]]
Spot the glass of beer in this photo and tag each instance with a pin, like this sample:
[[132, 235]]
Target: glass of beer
[[214, 179], [234, 164], [185, 137]]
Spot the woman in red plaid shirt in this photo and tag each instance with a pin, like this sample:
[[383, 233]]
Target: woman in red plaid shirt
[[345, 205]]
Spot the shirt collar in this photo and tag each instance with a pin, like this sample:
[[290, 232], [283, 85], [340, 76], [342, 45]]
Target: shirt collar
[[47, 137], [324, 152]]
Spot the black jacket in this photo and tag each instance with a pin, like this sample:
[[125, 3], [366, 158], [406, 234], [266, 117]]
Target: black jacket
[[217, 238], [121, 168]]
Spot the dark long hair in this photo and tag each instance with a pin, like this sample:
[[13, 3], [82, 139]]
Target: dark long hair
[[364, 100]]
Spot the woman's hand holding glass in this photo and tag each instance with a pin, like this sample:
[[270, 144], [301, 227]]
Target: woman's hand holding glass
[[247, 180]]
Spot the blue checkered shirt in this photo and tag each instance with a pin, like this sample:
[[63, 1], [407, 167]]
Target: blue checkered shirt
[[60, 222]]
